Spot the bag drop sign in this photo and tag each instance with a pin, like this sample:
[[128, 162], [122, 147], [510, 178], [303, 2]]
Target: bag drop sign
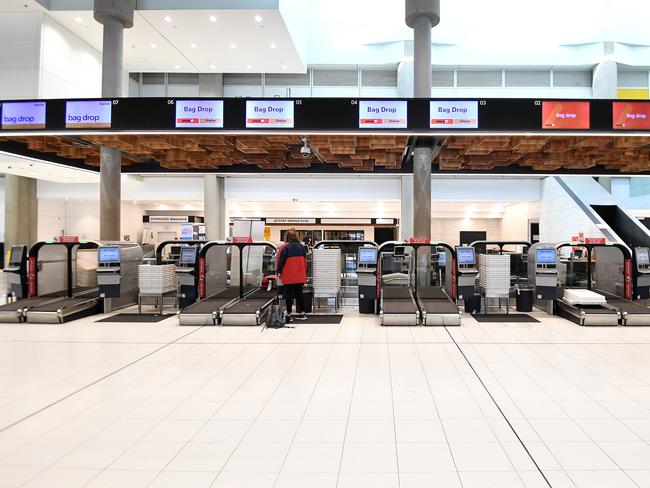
[[374, 114], [453, 114], [23, 115], [88, 114], [269, 114], [199, 114]]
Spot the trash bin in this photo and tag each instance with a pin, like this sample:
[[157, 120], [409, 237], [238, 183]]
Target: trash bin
[[473, 304], [525, 295], [307, 298]]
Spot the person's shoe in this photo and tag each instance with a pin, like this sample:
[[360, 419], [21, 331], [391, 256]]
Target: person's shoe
[[302, 316]]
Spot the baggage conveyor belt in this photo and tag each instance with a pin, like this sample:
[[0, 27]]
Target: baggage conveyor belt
[[605, 315], [631, 313], [82, 305], [398, 307], [15, 312], [437, 308], [250, 310], [207, 311]]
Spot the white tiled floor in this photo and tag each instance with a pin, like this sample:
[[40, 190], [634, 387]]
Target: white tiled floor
[[351, 405]]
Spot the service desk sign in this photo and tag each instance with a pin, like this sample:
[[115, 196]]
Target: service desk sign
[[23, 115], [269, 114], [565, 115], [627, 115], [199, 114], [88, 114], [382, 114], [453, 114]]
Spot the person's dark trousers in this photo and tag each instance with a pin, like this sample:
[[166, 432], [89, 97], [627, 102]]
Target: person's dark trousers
[[291, 292]]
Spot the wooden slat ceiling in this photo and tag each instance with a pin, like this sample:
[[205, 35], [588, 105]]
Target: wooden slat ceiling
[[360, 153]]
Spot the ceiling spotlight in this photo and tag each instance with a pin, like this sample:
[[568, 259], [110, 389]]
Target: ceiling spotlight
[[153, 45], [273, 45], [212, 66], [168, 18], [213, 18], [284, 66], [248, 66], [193, 45], [233, 45], [177, 66], [258, 18], [78, 19]]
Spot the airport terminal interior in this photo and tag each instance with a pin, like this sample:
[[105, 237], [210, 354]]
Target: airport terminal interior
[[324, 244]]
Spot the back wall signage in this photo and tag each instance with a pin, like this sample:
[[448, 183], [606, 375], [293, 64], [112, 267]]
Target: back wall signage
[[324, 115]]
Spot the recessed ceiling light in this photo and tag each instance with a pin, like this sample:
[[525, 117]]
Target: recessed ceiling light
[[177, 66], [78, 19], [258, 18], [213, 18], [168, 18], [193, 45], [212, 66], [153, 45], [273, 45], [248, 66], [284, 66], [233, 45]]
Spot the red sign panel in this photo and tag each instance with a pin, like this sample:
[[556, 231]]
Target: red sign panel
[[565, 115], [31, 276], [68, 238], [631, 115], [201, 277], [596, 240], [419, 240], [242, 240]]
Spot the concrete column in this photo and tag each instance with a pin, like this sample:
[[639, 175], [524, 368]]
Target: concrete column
[[21, 211], [406, 208], [604, 81], [211, 85], [115, 16], [214, 207], [421, 16]]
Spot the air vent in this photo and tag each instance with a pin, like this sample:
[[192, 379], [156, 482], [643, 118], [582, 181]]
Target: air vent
[[379, 77], [526, 78], [242, 79], [572, 79], [633, 79], [286, 80], [476, 78], [442, 78], [183, 79], [335, 77]]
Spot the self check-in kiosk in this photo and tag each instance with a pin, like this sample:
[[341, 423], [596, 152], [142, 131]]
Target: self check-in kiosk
[[117, 274], [367, 278], [641, 273], [16, 272], [542, 271], [187, 276], [467, 271], [108, 271]]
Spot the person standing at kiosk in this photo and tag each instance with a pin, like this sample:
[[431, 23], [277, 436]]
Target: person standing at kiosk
[[292, 270]]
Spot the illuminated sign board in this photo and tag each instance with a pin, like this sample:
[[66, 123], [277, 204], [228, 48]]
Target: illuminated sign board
[[23, 115], [199, 114], [269, 114], [88, 114], [450, 114], [565, 115], [631, 115], [382, 114]]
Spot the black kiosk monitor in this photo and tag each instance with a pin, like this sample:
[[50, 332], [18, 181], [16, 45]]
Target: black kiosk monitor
[[187, 276], [16, 271], [108, 271], [367, 278], [467, 271], [466, 257], [367, 257], [188, 256], [545, 259]]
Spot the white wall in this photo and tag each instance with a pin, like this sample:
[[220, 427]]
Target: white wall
[[69, 66], [560, 217], [20, 45], [514, 224], [448, 230]]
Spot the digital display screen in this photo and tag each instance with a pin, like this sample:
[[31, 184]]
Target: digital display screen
[[465, 255], [16, 255], [187, 232], [399, 251], [642, 255], [367, 255], [269, 114], [199, 114], [545, 256], [88, 114], [23, 115], [565, 115], [108, 255], [631, 115], [442, 258], [383, 114], [188, 255], [453, 114]]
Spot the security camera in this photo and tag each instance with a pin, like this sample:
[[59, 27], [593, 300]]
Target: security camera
[[305, 150]]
